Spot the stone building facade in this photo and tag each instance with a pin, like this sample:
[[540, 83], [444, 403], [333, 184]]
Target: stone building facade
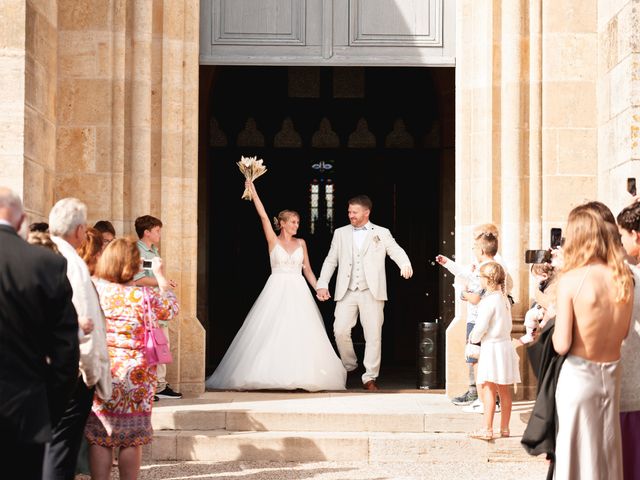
[[100, 101]]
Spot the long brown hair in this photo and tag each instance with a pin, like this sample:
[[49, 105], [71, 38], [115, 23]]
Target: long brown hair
[[589, 237], [90, 249], [119, 262]]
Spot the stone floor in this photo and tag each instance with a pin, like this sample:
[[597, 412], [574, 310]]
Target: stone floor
[[351, 435]]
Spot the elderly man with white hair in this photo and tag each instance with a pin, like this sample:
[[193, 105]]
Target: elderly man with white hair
[[38, 344], [67, 225]]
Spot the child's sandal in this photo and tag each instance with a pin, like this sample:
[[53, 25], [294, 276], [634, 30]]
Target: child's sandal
[[483, 434], [504, 433]]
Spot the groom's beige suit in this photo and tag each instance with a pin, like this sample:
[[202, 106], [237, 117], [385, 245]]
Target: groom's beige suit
[[361, 288]]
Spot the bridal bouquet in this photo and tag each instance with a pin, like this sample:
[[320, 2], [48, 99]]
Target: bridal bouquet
[[251, 168]]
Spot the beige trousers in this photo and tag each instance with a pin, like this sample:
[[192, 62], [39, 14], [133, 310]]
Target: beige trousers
[[161, 368], [371, 313]]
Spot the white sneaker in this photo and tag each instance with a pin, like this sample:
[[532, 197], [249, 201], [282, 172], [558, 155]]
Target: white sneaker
[[474, 407], [477, 407]]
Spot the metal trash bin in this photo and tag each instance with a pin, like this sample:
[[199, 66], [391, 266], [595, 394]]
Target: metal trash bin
[[427, 355]]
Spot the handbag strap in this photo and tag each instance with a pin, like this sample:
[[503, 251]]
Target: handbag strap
[[147, 312]]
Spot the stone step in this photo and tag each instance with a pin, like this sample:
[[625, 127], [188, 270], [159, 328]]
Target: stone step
[[295, 446], [375, 413]]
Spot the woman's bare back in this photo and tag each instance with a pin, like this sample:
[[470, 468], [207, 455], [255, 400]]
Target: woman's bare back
[[600, 323]]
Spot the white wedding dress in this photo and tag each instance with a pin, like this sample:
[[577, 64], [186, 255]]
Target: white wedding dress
[[282, 343]]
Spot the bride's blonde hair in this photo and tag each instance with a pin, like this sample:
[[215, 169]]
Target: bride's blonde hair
[[282, 217], [589, 237]]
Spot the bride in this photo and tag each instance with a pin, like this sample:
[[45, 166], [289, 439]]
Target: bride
[[282, 343]]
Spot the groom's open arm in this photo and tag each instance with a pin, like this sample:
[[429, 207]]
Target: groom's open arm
[[398, 255], [329, 265]]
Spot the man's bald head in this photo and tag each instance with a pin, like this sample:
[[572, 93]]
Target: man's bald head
[[11, 207]]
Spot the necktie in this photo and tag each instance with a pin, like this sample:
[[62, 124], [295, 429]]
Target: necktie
[[358, 229]]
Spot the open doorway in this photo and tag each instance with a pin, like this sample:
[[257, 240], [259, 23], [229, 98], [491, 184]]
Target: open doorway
[[327, 134]]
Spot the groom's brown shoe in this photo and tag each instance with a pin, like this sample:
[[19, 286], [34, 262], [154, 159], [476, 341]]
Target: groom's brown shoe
[[371, 386]]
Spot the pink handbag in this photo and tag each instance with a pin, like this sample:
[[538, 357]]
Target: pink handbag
[[156, 345]]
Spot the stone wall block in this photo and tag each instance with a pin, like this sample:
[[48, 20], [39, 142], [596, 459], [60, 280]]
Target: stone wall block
[[577, 151], [76, 149], [569, 16], [570, 57], [35, 85], [625, 129], [606, 142], [13, 33], [634, 74], [620, 77], [569, 104], [629, 136], [77, 53], [84, 15], [33, 196], [609, 44], [39, 139], [84, 101], [615, 180], [632, 32], [172, 154], [549, 151], [457, 374], [92, 189], [103, 146], [192, 343], [563, 192], [174, 20]]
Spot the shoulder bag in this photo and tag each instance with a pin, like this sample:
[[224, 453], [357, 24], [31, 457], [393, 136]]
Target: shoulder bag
[[156, 345]]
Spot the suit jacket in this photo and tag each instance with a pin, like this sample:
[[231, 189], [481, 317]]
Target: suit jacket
[[38, 339], [377, 245], [95, 365]]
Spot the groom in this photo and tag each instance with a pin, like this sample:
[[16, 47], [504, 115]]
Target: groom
[[359, 251]]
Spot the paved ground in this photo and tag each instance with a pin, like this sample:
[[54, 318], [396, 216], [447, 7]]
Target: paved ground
[[340, 471]]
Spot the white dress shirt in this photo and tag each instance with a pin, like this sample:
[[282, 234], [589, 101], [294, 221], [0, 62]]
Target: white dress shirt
[[360, 234]]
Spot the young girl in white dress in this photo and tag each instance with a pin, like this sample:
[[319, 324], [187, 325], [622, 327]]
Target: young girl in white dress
[[498, 363], [282, 343]]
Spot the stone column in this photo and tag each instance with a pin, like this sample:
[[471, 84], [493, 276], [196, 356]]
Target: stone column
[[127, 141], [525, 135], [28, 43], [12, 93]]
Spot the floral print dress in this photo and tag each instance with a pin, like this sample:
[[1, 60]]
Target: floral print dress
[[125, 419]]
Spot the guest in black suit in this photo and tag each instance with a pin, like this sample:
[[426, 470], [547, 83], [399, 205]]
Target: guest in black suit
[[38, 344]]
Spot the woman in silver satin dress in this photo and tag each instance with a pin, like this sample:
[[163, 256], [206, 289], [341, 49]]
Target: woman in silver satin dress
[[594, 302]]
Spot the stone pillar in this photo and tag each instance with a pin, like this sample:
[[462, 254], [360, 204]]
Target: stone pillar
[[28, 43], [127, 136], [12, 93], [618, 101], [526, 146]]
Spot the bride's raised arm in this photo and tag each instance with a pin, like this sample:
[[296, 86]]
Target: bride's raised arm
[[269, 233]]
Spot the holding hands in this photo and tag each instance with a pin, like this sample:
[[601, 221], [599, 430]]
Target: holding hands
[[323, 294]]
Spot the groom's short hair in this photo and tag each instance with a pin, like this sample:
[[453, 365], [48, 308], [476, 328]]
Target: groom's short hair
[[361, 200]]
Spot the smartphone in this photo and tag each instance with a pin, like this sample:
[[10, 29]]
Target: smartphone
[[631, 186], [556, 237], [146, 264]]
